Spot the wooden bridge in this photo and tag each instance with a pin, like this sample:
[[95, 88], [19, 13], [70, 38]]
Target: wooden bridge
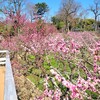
[[7, 85]]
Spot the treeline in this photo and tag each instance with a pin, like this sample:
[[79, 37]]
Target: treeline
[[70, 17], [76, 24], [15, 14], [73, 17]]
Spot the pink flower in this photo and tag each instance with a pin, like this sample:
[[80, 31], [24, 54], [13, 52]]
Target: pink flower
[[95, 67], [58, 77], [57, 94], [53, 71]]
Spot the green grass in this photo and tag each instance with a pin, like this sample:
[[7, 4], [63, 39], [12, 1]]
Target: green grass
[[37, 81]]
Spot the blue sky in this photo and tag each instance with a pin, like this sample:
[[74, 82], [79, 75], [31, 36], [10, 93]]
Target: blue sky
[[54, 5]]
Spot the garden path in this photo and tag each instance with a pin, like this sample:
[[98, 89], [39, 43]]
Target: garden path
[[2, 77]]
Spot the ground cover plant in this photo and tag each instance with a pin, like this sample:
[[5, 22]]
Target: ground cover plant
[[64, 66]]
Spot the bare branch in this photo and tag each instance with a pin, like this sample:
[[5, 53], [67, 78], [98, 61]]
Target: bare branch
[[95, 9], [68, 9]]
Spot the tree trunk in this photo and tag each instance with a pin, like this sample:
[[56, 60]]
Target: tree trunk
[[66, 26], [95, 23]]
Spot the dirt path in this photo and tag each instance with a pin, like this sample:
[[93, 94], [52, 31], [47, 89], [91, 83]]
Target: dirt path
[[2, 75]]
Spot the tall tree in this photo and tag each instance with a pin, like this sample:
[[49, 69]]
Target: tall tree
[[13, 10], [40, 9], [69, 8], [13, 7], [36, 11], [95, 9]]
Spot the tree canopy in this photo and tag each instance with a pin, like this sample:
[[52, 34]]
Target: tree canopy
[[41, 8]]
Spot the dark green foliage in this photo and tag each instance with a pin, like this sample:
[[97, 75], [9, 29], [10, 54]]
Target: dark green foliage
[[77, 25], [41, 8], [84, 24], [57, 22], [94, 95]]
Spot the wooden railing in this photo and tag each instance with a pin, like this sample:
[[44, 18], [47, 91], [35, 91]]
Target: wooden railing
[[9, 86]]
